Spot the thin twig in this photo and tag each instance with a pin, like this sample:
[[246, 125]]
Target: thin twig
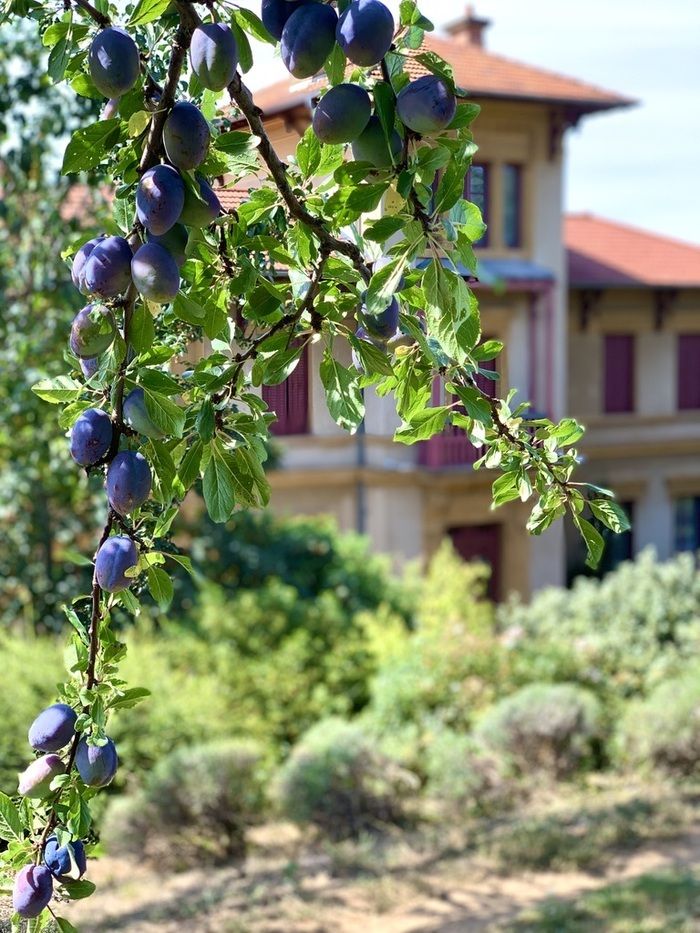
[[100, 18]]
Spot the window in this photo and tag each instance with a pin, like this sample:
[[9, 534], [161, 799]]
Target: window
[[477, 190], [687, 524], [512, 206], [688, 371], [290, 400], [618, 388]]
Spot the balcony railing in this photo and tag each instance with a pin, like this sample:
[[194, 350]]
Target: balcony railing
[[452, 448]]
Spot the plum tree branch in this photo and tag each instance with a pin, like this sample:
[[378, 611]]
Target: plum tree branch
[[100, 18]]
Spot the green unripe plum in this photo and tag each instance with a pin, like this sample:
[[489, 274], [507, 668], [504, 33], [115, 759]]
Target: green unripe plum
[[371, 145], [114, 62], [342, 114], [92, 331], [136, 415], [198, 213], [214, 55]]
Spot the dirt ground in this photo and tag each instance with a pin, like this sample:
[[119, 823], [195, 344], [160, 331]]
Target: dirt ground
[[311, 895]]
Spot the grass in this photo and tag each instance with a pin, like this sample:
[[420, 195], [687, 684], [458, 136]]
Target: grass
[[663, 902]]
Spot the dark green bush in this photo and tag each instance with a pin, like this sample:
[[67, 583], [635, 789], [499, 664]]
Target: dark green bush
[[465, 775], [338, 780], [663, 730], [552, 728], [195, 808]]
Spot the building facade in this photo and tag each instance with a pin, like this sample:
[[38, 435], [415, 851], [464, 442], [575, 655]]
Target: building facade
[[407, 499]]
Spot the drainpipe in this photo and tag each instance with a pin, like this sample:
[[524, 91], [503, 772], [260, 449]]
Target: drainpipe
[[360, 488]]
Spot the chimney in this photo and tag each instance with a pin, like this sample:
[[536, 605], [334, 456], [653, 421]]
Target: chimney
[[469, 30]]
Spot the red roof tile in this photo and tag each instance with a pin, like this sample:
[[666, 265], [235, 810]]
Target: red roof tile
[[605, 253], [482, 73]]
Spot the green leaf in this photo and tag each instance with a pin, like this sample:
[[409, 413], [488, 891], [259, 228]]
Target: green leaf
[[505, 488], [148, 11], [160, 586], [245, 55], [77, 890], [335, 65], [253, 25], [308, 153], [60, 389], [167, 416], [423, 425], [189, 467], [87, 147], [130, 698], [186, 309], [593, 540], [142, 332], [220, 482], [10, 821], [610, 514], [65, 926], [343, 393]]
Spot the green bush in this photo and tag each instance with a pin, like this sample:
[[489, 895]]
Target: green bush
[[620, 636], [337, 780], [31, 668], [663, 730], [553, 728], [195, 808], [466, 775]]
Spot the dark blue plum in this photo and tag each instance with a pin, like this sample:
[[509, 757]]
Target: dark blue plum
[[371, 145], [136, 414], [35, 780], [198, 213], [80, 259], [342, 114], [114, 62], [160, 198], [214, 55], [384, 324], [155, 273], [117, 555], [92, 331], [128, 481], [275, 14], [96, 764], [426, 105], [89, 366], [58, 859], [53, 728], [108, 268], [33, 889], [90, 437], [308, 38], [365, 31], [186, 136]]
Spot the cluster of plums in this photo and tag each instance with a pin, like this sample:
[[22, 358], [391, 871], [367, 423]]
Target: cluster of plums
[[52, 730]]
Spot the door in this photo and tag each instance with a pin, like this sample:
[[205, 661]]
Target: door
[[481, 542]]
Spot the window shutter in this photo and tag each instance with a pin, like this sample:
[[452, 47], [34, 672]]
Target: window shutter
[[618, 389], [290, 400], [688, 371]]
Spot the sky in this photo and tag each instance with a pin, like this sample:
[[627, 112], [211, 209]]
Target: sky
[[641, 165]]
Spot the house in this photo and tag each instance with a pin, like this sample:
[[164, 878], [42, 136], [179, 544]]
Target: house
[[634, 378], [407, 499]]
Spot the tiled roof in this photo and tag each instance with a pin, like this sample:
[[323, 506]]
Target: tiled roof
[[482, 73], [604, 253], [232, 198]]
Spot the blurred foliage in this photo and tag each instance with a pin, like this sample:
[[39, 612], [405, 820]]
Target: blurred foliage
[[44, 503]]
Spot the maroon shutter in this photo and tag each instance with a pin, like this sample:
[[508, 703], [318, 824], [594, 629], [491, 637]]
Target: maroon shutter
[[688, 371], [618, 389], [481, 542], [290, 400]]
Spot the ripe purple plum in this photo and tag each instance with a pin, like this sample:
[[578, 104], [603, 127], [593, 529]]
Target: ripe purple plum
[[365, 31], [117, 555], [372, 146], [67, 862], [186, 136], [90, 439], [96, 764], [80, 259], [33, 890], [114, 62], [175, 241], [275, 14], [214, 55], [198, 213], [155, 273], [128, 481], [160, 198], [136, 414], [308, 38], [384, 324], [342, 114], [36, 778], [426, 105], [53, 728], [89, 366], [108, 268], [92, 331]]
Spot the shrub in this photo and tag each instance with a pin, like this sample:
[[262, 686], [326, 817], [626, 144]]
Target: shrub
[[195, 807], [553, 728], [466, 775], [664, 729], [619, 636], [338, 780]]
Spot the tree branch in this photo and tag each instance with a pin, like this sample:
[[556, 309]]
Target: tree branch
[[100, 18]]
